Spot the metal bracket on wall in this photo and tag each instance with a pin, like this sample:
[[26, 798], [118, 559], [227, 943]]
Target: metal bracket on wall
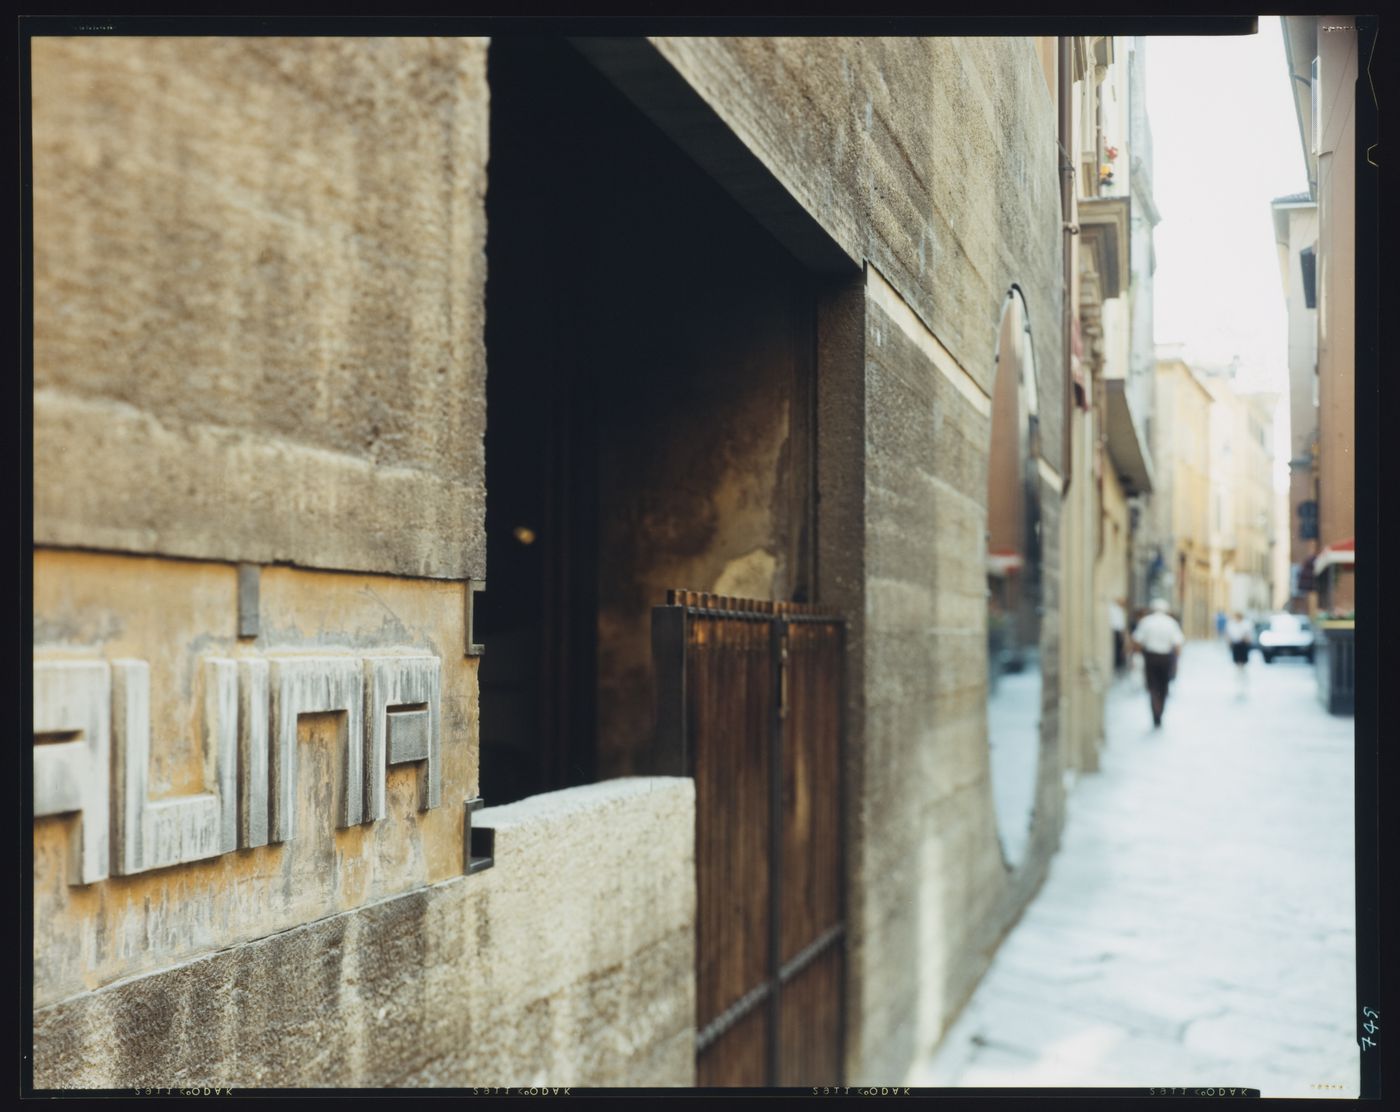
[[472, 586], [481, 840], [249, 589]]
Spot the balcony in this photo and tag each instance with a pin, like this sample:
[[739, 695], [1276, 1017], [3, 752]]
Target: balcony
[[1127, 445], [1104, 229]]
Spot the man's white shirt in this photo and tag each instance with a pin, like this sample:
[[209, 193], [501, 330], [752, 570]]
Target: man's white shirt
[[1159, 633], [1243, 630]]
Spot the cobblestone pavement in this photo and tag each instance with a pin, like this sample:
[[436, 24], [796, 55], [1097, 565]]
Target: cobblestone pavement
[[1196, 926]]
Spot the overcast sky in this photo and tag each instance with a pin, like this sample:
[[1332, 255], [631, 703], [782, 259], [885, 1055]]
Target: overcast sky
[[1225, 143]]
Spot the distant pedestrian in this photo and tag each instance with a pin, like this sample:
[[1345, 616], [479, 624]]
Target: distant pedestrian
[[1160, 638], [1239, 631], [1118, 623], [1220, 623]]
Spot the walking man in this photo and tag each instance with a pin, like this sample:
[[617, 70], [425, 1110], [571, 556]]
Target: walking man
[[1239, 631], [1160, 638]]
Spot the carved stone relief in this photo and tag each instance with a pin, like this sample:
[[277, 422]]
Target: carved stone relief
[[92, 727], [401, 718], [307, 685], [151, 834], [71, 774]]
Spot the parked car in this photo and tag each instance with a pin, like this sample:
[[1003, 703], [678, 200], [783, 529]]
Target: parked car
[[1285, 635]]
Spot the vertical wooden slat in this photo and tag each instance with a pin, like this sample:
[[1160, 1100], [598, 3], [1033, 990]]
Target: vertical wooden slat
[[777, 649], [768, 826], [728, 697], [811, 857], [811, 1021], [737, 1058], [811, 790]]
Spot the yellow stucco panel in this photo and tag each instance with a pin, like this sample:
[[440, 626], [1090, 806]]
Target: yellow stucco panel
[[177, 616]]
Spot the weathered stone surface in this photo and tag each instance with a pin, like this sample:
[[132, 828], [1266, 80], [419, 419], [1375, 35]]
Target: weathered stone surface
[[925, 931], [254, 776], [72, 776], [249, 577], [397, 736], [932, 158], [571, 962], [333, 335], [92, 610], [407, 735], [151, 834], [315, 685], [256, 336]]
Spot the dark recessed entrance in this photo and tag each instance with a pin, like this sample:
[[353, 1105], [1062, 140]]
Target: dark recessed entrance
[[649, 416]]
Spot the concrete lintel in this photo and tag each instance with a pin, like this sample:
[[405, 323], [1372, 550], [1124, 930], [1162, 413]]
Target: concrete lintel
[[648, 80]]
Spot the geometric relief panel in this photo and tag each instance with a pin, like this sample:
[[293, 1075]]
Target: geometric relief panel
[[401, 727], [313, 685], [253, 725], [72, 731], [152, 834], [92, 727]]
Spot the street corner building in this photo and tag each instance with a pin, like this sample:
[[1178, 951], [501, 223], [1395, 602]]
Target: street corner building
[[514, 528]]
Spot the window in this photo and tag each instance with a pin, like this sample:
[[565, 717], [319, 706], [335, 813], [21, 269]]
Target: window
[[1307, 260]]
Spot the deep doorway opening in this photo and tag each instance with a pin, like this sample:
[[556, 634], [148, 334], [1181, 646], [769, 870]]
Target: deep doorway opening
[[650, 416]]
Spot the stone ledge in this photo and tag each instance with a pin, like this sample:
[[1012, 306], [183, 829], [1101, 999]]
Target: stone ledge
[[510, 977]]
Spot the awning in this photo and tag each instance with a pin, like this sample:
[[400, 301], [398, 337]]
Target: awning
[[1004, 562], [1343, 552], [1126, 445]]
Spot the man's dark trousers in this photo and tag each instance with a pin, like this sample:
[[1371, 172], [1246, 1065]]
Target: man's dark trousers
[[1157, 668]]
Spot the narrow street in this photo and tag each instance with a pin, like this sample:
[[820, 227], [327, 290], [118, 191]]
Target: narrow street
[[827, 405], [1196, 926]]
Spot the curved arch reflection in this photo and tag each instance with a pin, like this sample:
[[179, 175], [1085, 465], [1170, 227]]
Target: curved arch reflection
[[1014, 584]]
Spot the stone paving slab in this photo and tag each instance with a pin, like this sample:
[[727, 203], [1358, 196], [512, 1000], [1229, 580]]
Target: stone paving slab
[[1196, 926]]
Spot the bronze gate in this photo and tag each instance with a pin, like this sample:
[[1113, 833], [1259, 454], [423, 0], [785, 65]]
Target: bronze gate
[[750, 703]]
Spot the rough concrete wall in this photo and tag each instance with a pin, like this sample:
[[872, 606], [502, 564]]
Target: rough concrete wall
[[935, 161], [570, 962], [258, 287], [932, 158], [934, 893]]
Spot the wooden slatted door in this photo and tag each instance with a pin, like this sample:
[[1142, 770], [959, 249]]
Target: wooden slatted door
[[750, 698]]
